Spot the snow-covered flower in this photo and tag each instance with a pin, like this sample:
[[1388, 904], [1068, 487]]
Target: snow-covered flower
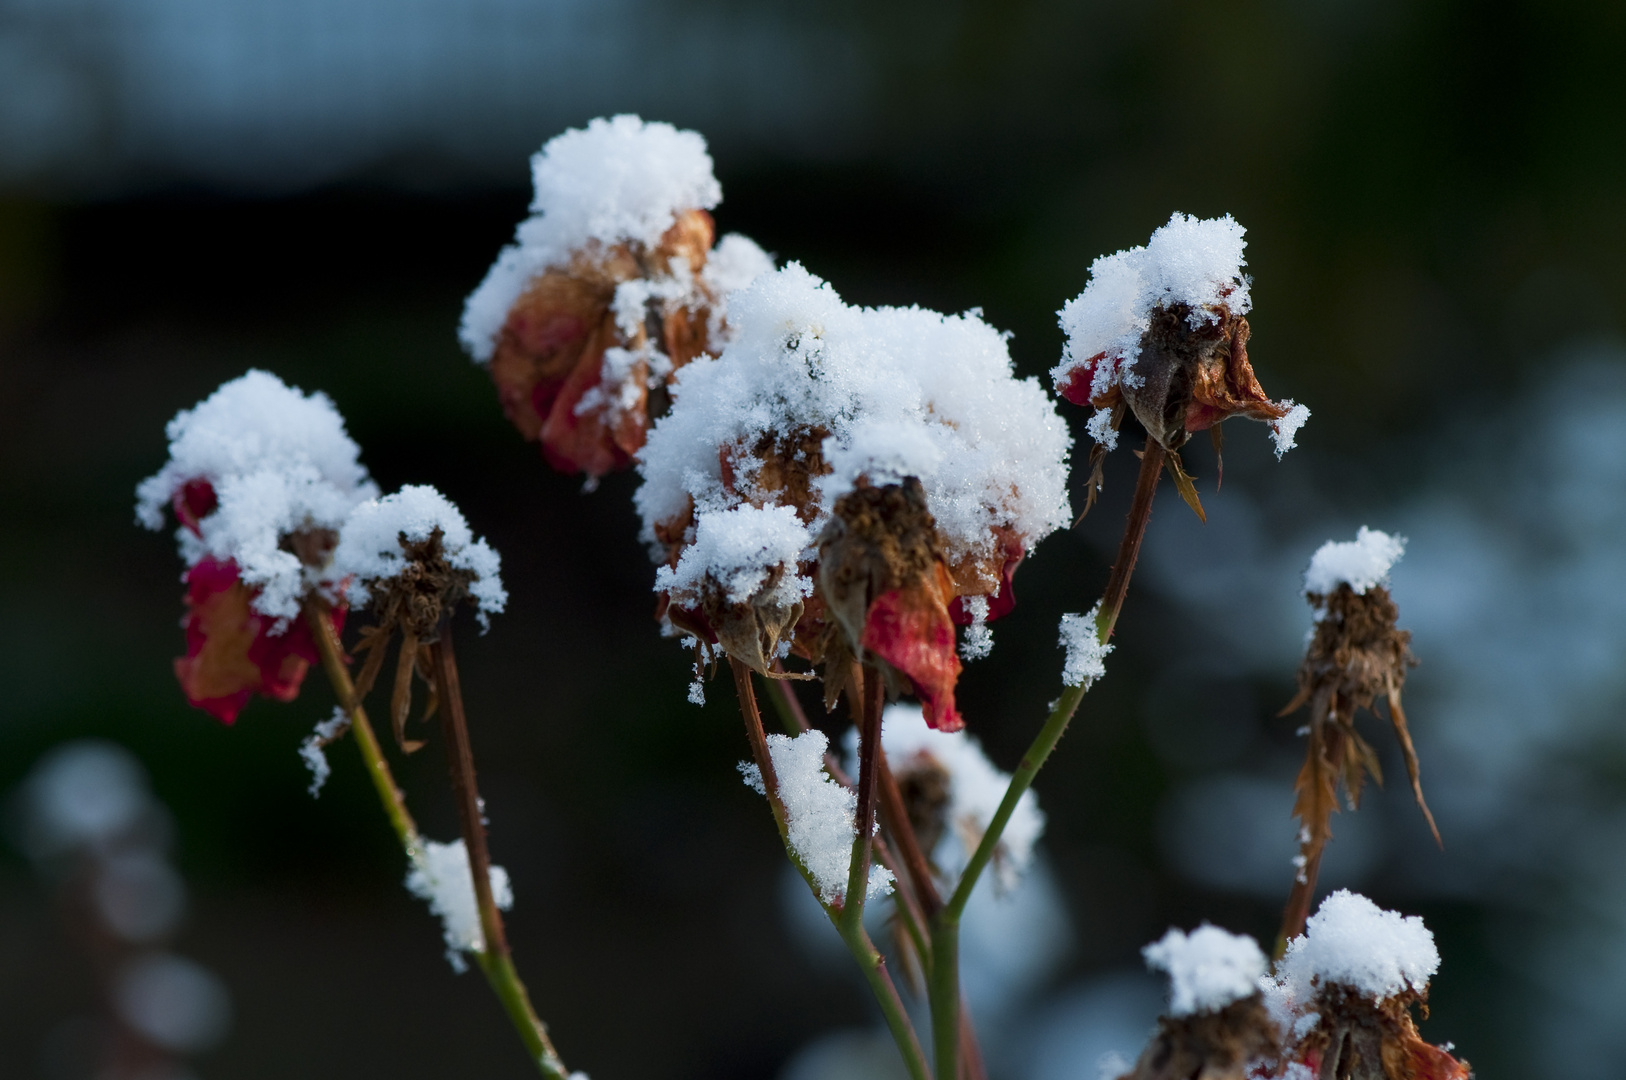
[[411, 558], [840, 481], [1343, 994], [1217, 1026], [1356, 655], [1162, 331], [260, 476], [610, 286], [951, 791]]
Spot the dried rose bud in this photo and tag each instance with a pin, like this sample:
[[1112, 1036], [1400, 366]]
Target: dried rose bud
[[1345, 992], [883, 579], [1161, 330], [611, 287], [260, 477], [1357, 655]]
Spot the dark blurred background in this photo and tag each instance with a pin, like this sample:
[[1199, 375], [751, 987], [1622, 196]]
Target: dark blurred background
[[1435, 194]]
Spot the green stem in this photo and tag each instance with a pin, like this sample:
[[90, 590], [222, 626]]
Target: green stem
[[870, 960], [944, 987]]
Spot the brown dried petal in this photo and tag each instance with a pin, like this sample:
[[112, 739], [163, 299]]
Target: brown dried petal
[[1209, 1045]]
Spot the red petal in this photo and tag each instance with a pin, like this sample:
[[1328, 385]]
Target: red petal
[[230, 652], [194, 502], [1001, 603], [911, 630], [1077, 387], [576, 442]]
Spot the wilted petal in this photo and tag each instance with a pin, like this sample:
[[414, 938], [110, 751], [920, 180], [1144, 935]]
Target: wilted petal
[[911, 630]]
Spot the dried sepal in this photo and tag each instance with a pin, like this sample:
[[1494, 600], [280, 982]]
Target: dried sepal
[[1225, 1044], [1184, 484], [1356, 1038]]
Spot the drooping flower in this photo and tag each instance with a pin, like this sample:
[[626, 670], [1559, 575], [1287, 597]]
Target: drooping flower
[[845, 483], [1356, 656], [1344, 993], [259, 477], [1161, 330], [611, 286], [411, 558]]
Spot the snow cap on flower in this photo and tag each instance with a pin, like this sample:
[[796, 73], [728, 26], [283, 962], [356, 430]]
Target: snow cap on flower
[[884, 463], [252, 465], [1360, 563], [1161, 329], [1208, 968], [1353, 942], [386, 539], [610, 286], [820, 815], [440, 874], [951, 791]]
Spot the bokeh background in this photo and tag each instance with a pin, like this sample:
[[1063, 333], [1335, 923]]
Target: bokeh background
[[1435, 193]]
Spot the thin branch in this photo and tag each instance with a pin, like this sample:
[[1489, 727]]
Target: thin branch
[[869, 747], [494, 957]]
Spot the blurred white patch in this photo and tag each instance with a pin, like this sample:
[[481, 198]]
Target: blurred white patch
[[172, 1001]]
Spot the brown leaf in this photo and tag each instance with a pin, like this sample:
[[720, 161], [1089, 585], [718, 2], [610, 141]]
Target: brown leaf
[[401, 699], [1397, 716]]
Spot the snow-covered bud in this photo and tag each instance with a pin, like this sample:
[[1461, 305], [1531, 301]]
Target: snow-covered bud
[[1345, 992], [1217, 1026], [951, 791], [849, 482], [260, 476], [412, 559], [611, 285], [1356, 655]]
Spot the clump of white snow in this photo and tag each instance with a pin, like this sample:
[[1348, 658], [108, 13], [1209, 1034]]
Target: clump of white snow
[[1208, 968], [975, 789], [1361, 563], [615, 181], [370, 546], [1086, 652], [440, 874], [1190, 261], [820, 814], [739, 548], [311, 752], [1352, 941], [900, 392], [278, 461], [1284, 432]]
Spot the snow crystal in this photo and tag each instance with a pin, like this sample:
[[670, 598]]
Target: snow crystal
[[734, 263], [820, 814], [311, 749], [1208, 968], [979, 640], [617, 180], [370, 545], [1190, 261], [440, 874], [278, 461], [1086, 652], [1350, 940], [739, 548], [976, 788], [1360, 564], [901, 392], [1284, 432]]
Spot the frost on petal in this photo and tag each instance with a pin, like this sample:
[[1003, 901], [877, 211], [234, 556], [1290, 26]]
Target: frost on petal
[[1086, 652], [1208, 968], [1360, 563], [1284, 432], [820, 814], [440, 875], [376, 547], [233, 651]]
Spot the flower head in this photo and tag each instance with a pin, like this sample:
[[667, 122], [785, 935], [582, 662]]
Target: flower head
[[840, 483], [260, 476], [1344, 993], [611, 285], [1162, 331], [1356, 655]]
